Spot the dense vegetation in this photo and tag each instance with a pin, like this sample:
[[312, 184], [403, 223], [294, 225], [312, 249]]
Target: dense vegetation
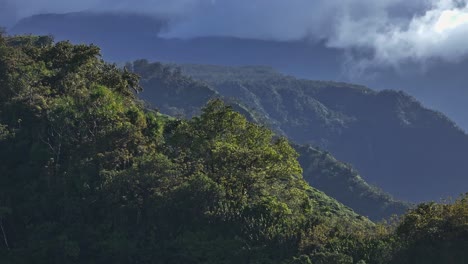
[[178, 95], [90, 175], [394, 142]]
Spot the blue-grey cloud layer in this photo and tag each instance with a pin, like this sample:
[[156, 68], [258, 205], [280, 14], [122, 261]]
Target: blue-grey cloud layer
[[396, 30]]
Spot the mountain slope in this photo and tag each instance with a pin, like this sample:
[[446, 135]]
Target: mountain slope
[[181, 95], [342, 182], [410, 151]]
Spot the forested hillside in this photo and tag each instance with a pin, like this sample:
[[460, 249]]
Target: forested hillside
[[413, 153], [91, 175], [179, 95], [343, 182]]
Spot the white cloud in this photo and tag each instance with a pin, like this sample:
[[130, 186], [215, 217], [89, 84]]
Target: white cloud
[[441, 32]]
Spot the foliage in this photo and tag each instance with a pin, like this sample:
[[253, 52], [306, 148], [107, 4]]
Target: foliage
[[257, 87], [434, 233], [389, 137], [90, 175], [166, 85]]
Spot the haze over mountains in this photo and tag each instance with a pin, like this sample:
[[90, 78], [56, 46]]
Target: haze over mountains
[[440, 84]]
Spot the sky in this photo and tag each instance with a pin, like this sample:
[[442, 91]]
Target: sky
[[393, 31]]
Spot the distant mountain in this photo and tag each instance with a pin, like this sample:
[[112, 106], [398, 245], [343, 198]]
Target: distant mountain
[[127, 37], [393, 141], [178, 95], [408, 150]]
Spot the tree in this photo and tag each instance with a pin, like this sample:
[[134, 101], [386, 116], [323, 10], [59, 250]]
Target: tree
[[434, 233]]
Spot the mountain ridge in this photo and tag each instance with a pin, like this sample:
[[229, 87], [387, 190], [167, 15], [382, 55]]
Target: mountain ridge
[[178, 94], [392, 140]]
